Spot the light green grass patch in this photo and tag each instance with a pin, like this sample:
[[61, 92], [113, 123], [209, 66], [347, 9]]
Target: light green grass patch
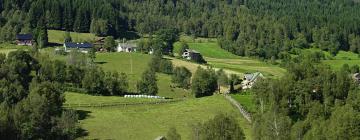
[[245, 100], [121, 62], [209, 49], [336, 62], [150, 121], [56, 36]]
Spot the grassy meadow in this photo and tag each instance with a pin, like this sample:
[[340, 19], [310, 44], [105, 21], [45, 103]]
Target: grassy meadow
[[245, 100], [220, 58], [336, 62], [56, 36], [146, 122], [121, 62]]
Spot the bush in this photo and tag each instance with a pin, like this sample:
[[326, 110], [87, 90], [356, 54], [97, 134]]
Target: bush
[[204, 82], [166, 66], [181, 77]]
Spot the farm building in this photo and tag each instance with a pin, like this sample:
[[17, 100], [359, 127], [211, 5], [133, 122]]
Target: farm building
[[250, 79], [192, 55], [82, 47], [100, 41], [126, 47], [24, 39]]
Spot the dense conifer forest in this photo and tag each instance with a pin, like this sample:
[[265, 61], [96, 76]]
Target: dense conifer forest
[[262, 28], [312, 101]]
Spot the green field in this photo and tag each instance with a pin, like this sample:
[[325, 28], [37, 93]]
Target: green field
[[336, 62], [219, 58], [7, 47], [121, 62], [245, 100], [209, 49], [146, 122], [56, 36]]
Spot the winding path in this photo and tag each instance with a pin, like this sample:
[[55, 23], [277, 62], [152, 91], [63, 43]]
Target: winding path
[[241, 109]]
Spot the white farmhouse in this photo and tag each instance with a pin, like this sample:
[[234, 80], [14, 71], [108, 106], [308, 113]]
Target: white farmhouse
[[126, 47], [250, 79]]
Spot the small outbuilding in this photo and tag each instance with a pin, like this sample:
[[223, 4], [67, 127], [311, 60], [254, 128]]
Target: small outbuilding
[[82, 47], [193, 56], [250, 79], [24, 39], [100, 41]]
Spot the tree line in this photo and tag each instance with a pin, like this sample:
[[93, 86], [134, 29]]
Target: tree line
[[311, 101], [261, 28], [30, 104]]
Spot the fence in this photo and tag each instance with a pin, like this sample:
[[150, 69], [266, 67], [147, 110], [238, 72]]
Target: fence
[[242, 110], [114, 104]]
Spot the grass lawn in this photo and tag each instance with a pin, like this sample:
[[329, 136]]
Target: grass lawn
[[121, 62], [6, 48], [150, 121], [209, 49], [246, 101], [219, 58], [56, 36], [336, 62]]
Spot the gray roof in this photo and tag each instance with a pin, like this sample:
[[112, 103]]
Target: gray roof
[[253, 76], [24, 36], [78, 45], [127, 45], [192, 51]]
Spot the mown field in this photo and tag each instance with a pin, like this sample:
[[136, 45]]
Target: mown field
[[219, 58], [246, 100], [121, 62], [336, 62], [146, 122], [56, 36]]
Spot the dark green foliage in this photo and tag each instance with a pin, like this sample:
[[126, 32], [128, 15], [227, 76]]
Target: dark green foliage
[[110, 44], [308, 103], [115, 83], [168, 37], [67, 37], [355, 69], [166, 66], [172, 134], [204, 82], [33, 111], [221, 127], [159, 64], [92, 81], [181, 77], [99, 27], [148, 85], [92, 54]]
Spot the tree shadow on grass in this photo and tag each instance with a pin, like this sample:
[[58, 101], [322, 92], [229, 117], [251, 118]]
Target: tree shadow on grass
[[82, 115], [51, 44], [101, 63]]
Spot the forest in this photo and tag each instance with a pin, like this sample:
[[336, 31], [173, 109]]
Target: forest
[[312, 101], [263, 28]]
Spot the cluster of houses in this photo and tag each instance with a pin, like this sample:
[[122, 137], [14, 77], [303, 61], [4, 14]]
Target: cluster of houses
[[27, 40]]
